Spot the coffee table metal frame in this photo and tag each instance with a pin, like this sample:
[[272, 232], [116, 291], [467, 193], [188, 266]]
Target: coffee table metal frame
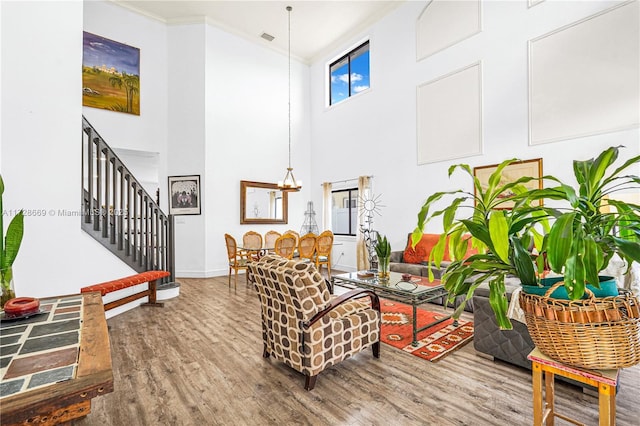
[[423, 292]]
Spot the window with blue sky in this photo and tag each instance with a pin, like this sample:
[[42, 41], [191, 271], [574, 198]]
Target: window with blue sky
[[349, 74]]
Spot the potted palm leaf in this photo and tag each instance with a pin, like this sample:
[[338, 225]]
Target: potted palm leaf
[[577, 238], [9, 246]]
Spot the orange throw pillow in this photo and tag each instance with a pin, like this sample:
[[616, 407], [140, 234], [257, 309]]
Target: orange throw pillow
[[421, 252]]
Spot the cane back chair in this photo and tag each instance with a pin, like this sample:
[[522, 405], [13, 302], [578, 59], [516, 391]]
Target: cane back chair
[[237, 258], [285, 246], [270, 240], [324, 246], [252, 243], [307, 247]]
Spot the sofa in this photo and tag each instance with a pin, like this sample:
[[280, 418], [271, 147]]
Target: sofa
[[415, 261], [511, 346]]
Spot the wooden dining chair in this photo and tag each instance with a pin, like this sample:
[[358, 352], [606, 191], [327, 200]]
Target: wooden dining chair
[[252, 243], [270, 240], [237, 258], [295, 234], [285, 245], [307, 247], [324, 246]]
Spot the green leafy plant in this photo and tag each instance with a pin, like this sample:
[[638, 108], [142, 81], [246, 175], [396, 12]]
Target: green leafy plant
[[586, 235], [383, 250], [499, 236], [9, 246], [516, 241]]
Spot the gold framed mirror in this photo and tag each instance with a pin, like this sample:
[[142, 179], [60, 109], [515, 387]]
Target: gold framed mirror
[[262, 202]]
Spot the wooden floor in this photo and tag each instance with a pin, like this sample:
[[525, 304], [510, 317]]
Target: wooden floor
[[198, 361]]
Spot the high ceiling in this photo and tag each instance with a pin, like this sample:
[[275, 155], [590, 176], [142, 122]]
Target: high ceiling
[[316, 26]]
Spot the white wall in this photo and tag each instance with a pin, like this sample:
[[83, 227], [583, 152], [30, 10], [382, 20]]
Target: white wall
[[41, 148], [224, 102], [228, 122], [222, 113], [247, 135], [185, 154], [375, 133]]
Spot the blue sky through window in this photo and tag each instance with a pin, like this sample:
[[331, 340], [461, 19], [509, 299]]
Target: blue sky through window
[[359, 78], [360, 73]]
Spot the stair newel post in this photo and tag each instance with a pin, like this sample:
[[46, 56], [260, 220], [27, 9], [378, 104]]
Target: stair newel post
[[171, 259], [156, 236], [163, 241]]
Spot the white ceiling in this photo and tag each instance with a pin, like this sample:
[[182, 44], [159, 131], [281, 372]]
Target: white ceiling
[[316, 26]]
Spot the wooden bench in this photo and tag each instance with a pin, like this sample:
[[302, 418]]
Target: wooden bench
[[151, 277]]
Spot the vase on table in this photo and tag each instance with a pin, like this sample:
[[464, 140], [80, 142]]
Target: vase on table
[[383, 268], [6, 282]]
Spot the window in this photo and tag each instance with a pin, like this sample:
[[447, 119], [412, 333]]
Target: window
[[344, 208], [349, 74]]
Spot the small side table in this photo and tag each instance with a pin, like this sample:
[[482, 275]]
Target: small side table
[[544, 412]]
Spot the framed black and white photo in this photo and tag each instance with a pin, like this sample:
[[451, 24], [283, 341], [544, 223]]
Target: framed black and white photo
[[184, 194]]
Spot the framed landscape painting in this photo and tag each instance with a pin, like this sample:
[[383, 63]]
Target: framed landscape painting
[[184, 194], [110, 75], [511, 173]]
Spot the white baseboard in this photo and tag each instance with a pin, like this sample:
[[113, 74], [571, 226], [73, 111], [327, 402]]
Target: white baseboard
[[202, 274]]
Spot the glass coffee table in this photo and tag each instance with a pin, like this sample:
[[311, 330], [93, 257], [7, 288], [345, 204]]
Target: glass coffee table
[[414, 292]]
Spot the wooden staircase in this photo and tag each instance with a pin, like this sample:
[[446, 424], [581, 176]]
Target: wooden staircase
[[119, 213]]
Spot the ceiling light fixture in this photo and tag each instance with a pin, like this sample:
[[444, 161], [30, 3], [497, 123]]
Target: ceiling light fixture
[[289, 183]]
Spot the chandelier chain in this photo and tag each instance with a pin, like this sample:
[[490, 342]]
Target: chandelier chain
[[289, 14]]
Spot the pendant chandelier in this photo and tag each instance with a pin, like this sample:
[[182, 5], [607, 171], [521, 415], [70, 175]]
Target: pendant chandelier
[[289, 183]]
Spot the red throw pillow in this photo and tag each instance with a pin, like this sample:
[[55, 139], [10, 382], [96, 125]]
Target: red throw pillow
[[416, 255], [422, 250]]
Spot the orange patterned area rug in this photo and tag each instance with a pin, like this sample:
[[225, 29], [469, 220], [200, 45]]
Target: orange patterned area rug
[[434, 343]]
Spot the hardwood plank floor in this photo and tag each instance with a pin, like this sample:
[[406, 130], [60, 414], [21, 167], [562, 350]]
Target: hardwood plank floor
[[198, 361]]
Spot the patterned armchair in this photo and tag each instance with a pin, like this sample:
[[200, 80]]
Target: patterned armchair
[[303, 325]]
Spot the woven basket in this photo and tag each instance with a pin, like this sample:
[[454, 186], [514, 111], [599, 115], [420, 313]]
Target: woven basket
[[593, 333]]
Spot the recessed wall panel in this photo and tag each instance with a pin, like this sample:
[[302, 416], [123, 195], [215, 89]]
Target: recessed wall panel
[[445, 23], [584, 79], [449, 113]]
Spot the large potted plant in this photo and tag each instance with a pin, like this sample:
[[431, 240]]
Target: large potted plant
[[9, 246], [575, 237]]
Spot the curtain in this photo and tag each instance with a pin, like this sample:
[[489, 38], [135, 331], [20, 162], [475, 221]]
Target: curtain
[[362, 256], [326, 206]]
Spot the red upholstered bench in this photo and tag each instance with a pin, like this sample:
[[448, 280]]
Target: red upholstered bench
[[151, 277]]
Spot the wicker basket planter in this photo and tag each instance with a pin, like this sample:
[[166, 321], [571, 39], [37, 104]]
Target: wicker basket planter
[[592, 333]]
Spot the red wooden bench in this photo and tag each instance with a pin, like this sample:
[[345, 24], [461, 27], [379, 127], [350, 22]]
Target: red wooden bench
[[151, 277]]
